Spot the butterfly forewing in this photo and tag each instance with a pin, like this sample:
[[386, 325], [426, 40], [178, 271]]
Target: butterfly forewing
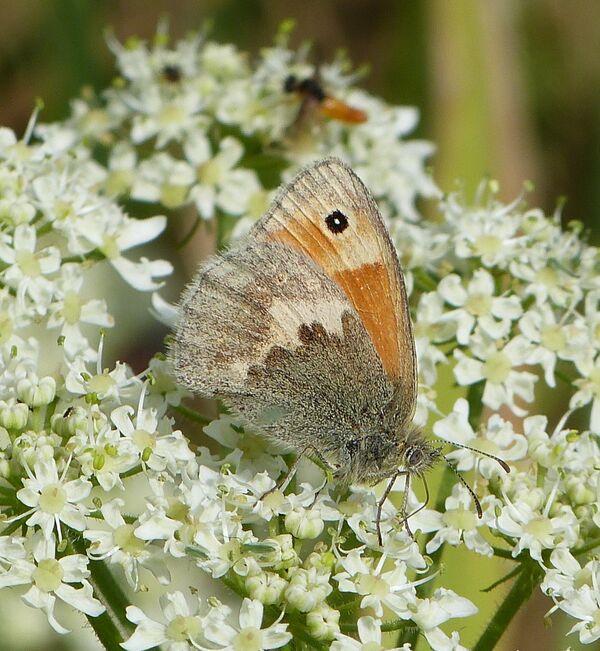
[[328, 214]]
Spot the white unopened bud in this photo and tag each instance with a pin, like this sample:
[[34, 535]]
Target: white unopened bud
[[267, 587], [36, 393], [306, 589], [323, 622], [14, 416], [304, 524]]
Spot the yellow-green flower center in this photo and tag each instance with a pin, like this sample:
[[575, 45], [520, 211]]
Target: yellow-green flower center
[[171, 114], [209, 173], [29, 264], [373, 585], [487, 245], [144, 440], [539, 527], [248, 639], [183, 628], [460, 518], [497, 367], [126, 540], [479, 304], [52, 498], [553, 337], [100, 384], [547, 276], [72, 307], [48, 575]]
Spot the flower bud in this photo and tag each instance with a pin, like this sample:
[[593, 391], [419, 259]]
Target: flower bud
[[267, 587], [304, 524], [13, 416], [36, 393], [323, 622]]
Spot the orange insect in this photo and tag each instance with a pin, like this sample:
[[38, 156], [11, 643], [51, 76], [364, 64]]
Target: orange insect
[[312, 94]]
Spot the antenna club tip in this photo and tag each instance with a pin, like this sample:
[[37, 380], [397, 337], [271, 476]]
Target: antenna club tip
[[504, 465]]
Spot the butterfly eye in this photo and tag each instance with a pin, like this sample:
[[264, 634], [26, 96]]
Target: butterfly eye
[[336, 222]]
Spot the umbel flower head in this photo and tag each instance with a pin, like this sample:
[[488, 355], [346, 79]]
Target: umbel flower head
[[94, 468]]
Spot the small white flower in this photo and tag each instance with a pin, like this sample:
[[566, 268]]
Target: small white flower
[[477, 305], [249, 634], [53, 499], [183, 627], [589, 391], [536, 530], [28, 268], [307, 588], [496, 364], [369, 638], [378, 589], [112, 239], [69, 310], [457, 523], [120, 544], [105, 384], [551, 340], [584, 604], [162, 178], [443, 605], [221, 185], [158, 447], [51, 578]]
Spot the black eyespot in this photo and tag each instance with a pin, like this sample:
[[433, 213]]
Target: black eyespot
[[336, 222]]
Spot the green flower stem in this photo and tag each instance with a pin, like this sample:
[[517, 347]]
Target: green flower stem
[[192, 414], [386, 627], [503, 553], [189, 234], [592, 544], [528, 579], [112, 627]]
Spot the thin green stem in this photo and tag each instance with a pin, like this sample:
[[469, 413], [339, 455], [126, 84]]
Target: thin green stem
[[521, 590], [511, 575], [112, 627], [592, 544], [189, 234], [386, 627], [503, 553], [192, 414]]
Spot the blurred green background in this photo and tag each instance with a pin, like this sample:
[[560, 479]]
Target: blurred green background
[[506, 89]]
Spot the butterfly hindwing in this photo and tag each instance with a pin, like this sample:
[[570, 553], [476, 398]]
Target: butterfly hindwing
[[263, 328]]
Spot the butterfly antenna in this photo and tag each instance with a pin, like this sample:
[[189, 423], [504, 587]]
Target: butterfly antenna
[[504, 465], [464, 483]]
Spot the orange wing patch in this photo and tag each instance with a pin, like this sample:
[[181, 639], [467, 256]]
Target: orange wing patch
[[368, 288]]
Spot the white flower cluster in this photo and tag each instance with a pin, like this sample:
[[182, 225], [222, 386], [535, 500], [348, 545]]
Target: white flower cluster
[[510, 300], [93, 472]]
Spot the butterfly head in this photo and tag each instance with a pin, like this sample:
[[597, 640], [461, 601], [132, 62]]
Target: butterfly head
[[418, 454], [372, 458]]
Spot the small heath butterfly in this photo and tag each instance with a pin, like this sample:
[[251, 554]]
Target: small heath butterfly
[[303, 330]]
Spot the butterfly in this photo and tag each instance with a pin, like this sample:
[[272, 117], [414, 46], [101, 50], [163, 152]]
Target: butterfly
[[303, 330]]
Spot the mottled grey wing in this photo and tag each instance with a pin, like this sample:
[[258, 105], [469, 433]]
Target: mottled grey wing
[[264, 329]]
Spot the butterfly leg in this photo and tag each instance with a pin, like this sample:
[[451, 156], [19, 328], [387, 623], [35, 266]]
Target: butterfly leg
[[384, 497], [283, 482]]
